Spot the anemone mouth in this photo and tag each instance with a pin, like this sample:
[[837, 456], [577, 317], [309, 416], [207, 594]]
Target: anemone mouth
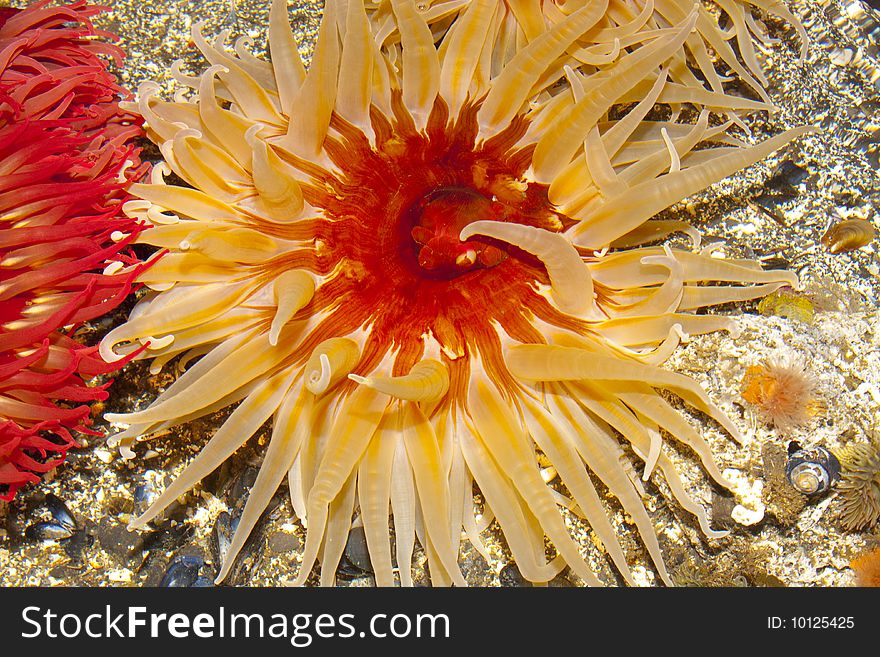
[[436, 221]]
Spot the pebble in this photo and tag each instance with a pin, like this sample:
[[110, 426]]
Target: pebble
[[511, 577]]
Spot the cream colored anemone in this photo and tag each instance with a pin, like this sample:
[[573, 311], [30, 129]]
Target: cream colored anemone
[[424, 269], [703, 62]]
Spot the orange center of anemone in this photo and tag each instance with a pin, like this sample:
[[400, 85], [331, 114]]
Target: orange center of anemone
[[438, 220], [389, 248]]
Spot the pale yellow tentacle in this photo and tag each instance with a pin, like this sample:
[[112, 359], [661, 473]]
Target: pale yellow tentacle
[[427, 381]]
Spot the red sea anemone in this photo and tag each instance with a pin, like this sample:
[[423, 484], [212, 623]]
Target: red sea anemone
[[66, 157]]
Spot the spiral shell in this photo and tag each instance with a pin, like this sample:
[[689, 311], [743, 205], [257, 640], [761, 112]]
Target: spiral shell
[[811, 471]]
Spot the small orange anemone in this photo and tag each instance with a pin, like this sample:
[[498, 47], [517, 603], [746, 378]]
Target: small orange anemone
[[867, 568], [782, 392], [422, 261]]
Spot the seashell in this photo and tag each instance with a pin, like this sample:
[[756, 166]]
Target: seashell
[[791, 173], [843, 56], [48, 530], [224, 530], [357, 556], [184, 572], [56, 506], [848, 235], [242, 485], [785, 302], [144, 495], [813, 470], [62, 525]]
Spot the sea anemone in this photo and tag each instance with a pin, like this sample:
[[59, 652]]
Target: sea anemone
[[867, 568], [859, 487], [65, 157], [782, 392], [423, 263]]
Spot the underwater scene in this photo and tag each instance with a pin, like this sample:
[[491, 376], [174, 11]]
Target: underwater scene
[[490, 293]]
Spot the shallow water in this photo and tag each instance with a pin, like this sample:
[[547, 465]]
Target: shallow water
[[835, 178]]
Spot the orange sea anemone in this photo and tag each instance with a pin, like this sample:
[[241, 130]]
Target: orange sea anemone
[[782, 392], [867, 568], [66, 155], [422, 261]]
